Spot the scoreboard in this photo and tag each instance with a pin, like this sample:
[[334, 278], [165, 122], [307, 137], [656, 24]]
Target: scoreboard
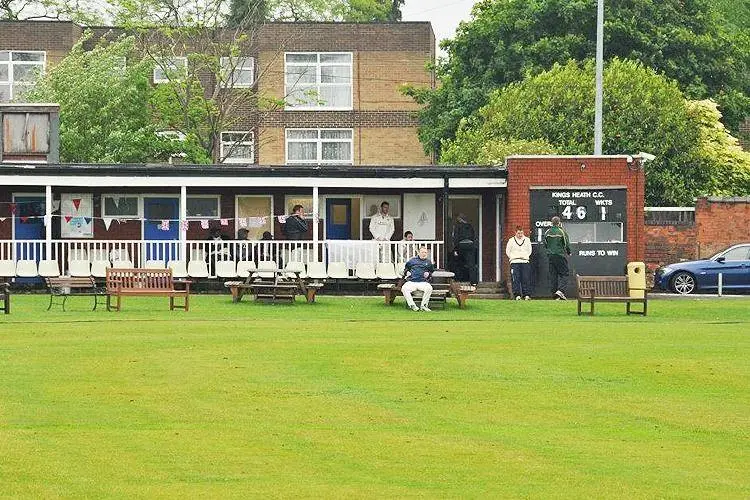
[[575, 205]]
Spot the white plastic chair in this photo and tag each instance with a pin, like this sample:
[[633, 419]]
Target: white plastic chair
[[266, 269], [197, 269], [295, 269], [245, 268], [179, 268], [155, 264], [316, 270], [99, 268], [122, 264], [365, 271], [26, 269], [226, 269], [48, 269], [79, 268], [338, 270], [7, 268], [386, 271], [119, 255]]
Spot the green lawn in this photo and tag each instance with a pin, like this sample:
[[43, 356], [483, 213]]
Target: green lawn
[[350, 398]]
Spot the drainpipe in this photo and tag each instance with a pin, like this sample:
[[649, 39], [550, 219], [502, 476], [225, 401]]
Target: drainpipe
[[48, 220], [315, 219], [183, 217]]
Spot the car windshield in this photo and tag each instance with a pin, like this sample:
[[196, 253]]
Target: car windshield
[[736, 248]]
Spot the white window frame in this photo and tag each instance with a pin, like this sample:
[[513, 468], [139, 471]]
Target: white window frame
[[10, 63], [139, 205], [244, 63], [319, 142], [250, 135], [160, 67], [204, 196], [289, 86]]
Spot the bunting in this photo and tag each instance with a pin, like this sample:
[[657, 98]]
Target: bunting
[[164, 226]]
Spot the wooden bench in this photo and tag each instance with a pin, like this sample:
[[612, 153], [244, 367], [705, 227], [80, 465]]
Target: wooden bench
[[271, 291], [153, 282], [239, 288], [66, 286], [5, 297], [392, 290], [594, 289]]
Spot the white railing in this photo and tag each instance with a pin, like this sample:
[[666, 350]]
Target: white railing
[[139, 252]]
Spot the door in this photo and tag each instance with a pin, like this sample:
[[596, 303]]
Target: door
[[156, 210], [467, 267], [736, 267], [28, 224], [338, 218]]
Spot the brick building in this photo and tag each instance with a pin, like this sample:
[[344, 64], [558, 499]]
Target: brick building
[[339, 162]]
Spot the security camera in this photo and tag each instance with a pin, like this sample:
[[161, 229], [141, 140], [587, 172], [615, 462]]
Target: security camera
[[647, 156]]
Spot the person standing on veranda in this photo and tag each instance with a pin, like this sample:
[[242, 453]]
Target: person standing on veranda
[[518, 251], [418, 272], [382, 228]]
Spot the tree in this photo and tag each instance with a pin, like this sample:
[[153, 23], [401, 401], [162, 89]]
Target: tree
[[646, 112], [507, 40], [104, 106], [333, 10], [86, 12], [247, 12]]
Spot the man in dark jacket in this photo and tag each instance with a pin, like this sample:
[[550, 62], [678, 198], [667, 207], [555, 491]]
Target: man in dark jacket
[[295, 227], [465, 250], [557, 243]]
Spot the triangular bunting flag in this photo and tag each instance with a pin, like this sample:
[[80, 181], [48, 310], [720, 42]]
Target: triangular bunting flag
[[184, 225], [107, 223], [87, 220], [164, 226], [116, 201], [282, 219], [2, 219], [76, 203], [224, 222], [204, 224], [47, 219], [243, 222], [13, 208], [24, 219], [67, 218]]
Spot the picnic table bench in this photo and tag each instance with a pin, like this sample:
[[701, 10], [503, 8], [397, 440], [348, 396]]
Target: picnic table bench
[[277, 288], [5, 297], [67, 286], [594, 289], [146, 282]]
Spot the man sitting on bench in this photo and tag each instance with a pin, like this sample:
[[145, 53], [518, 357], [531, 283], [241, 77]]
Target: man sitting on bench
[[417, 272]]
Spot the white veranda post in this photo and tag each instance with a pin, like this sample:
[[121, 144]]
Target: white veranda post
[[315, 208]]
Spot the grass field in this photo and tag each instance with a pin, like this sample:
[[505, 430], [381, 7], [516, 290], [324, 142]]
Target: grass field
[[349, 398]]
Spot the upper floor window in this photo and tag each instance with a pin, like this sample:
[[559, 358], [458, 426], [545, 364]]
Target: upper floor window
[[237, 147], [19, 70], [238, 72], [169, 69], [319, 146], [318, 80]]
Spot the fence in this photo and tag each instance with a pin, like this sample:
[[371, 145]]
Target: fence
[[138, 252]]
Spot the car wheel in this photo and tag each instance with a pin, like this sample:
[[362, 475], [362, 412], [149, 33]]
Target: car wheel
[[683, 283]]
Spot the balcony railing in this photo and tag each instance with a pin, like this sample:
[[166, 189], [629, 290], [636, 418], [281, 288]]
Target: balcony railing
[[138, 253]]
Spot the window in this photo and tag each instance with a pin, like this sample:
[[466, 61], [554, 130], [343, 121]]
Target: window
[[594, 232], [318, 80], [238, 72], [306, 201], [19, 71], [237, 147], [372, 205], [202, 207], [319, 146], [739, 253], [115, 205], [170, 68]]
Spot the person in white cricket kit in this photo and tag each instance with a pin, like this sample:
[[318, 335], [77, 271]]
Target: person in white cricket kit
[[418, 271], [382, 228]]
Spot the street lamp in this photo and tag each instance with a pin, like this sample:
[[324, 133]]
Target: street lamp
[[599, 77]]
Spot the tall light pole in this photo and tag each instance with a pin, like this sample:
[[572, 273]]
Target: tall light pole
[[599, 77]]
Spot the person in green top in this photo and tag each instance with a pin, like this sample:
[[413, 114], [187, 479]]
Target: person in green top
[[557, 243]]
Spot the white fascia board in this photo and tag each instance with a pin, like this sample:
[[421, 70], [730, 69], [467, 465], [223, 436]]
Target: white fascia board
[[477, 183], [270, 182]]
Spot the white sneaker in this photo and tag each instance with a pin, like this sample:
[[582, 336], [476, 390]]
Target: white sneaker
[[414, 308], [527, 298], [426, 309], [518, 297], [561, 295]]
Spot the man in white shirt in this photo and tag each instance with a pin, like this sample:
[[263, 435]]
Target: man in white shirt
[[382, 228], [518, 251]]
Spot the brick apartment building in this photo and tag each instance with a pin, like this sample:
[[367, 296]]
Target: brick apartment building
[[339, 159]]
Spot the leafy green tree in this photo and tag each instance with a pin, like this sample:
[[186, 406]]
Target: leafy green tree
[[334, 10], [242, 12], [507, 40], [105, 115], [644, 110]]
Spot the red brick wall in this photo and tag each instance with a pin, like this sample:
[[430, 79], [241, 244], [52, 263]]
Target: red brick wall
[[721, 223], [555, 171], [668, 244]]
